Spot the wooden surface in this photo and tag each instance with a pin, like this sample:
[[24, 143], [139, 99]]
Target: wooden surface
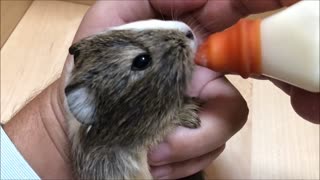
[[34, 54], [13, 10], [87, 2], [274, 144], [11, 13]]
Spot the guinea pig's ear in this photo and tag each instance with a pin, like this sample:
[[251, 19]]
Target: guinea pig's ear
[[75, 51], [81, 103]]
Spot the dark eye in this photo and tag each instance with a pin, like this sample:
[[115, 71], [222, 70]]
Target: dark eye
[[141, 62]]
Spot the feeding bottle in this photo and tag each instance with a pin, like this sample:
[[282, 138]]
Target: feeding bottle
[[284, 46]]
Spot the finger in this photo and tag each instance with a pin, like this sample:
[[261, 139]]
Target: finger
[[306, 104], [179, 7], [218, 15], [200, 78], [265, 5], [222, 116], [283, 86], [105, 14], [185, 168]]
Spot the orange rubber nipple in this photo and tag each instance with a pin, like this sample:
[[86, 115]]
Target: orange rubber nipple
[[235, 50]]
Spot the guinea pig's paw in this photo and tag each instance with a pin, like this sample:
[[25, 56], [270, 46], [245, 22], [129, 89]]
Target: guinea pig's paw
[[188, 115]]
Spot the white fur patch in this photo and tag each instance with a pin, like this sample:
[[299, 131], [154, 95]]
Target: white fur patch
[[88, 129], [154, 24], [159, 24]]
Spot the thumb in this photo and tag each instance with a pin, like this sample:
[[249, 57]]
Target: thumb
[[306, 104], [176, 7]]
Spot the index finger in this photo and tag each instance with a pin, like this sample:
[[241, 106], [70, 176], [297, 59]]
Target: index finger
[[216, 15], [105, 14]]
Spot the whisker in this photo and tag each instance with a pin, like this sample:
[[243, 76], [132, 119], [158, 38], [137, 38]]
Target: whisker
[[161, 14], [174, 14], [171, 12], [194, 22]]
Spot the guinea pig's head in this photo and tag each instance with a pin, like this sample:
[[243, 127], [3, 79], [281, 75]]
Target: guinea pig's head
[[129, 70]]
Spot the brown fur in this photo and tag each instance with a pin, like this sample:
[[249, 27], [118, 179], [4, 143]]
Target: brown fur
[[131, 110]]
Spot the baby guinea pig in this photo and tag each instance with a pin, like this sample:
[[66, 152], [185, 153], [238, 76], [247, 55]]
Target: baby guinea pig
[[126, 93]]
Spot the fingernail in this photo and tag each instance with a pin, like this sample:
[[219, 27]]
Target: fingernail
[[159, 154], [161, 172]]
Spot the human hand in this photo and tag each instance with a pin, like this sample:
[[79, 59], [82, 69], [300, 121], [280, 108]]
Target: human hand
[[306, 104], [205, 17], [224, 14], [174, 158]]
